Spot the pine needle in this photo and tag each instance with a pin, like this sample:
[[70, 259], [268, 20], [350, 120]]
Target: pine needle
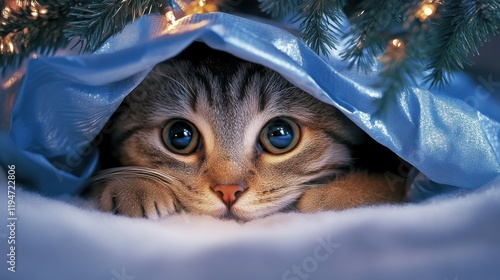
[[32, 29], [280, 8], [462, 27], [320, 22], [94, 21]]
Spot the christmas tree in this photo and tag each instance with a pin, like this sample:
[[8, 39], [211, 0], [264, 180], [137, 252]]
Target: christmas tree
[[409, 40]]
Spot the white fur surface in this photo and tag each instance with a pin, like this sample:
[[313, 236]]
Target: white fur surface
[[453, 238]]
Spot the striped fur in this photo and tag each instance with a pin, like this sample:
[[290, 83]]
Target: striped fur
[[229, 101]]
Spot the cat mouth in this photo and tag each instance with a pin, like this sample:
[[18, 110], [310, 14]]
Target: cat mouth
[[230, 214]]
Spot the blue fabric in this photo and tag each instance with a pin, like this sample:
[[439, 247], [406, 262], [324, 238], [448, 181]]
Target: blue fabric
[[65, 101]]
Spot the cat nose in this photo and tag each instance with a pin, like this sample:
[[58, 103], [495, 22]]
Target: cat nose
[[229, 193]]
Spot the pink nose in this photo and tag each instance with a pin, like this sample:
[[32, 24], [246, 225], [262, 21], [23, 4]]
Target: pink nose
[[229, 193]]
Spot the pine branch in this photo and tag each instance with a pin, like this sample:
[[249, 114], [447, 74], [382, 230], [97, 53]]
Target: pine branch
[[280, 8], [320, 22], [369, 32], [45, 26], [460, 29], [33, 28], [400, 66], [448, 51], [94, 21], [402, 62]]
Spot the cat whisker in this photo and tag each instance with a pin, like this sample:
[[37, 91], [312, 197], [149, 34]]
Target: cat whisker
[[289, 208], [321, 179], [296, 191], [186, 81], [271, 190], [134, 172]]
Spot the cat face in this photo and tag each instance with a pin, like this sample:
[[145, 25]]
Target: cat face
[[241, 140]]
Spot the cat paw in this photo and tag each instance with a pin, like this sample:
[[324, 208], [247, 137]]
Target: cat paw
[[134, 198], [315, 200], [350, 191]]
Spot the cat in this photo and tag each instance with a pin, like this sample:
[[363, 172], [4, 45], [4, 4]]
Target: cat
[[209, 133]]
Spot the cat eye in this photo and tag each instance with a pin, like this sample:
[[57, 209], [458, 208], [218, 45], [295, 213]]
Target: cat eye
[[181, 137], [279, 136]]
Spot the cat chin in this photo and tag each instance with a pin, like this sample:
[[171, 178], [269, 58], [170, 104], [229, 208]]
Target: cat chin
[[236, 213], [229, 215]]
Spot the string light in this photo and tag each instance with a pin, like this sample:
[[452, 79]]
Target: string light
[[196, 7], [6, 46], [394, 53], [170, 17], [6, 12], [18, 75], [34, 6], [201, 7], [427, 9], [397, 43]]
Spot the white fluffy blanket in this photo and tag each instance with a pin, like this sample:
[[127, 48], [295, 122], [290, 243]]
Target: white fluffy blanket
[[451, 237]]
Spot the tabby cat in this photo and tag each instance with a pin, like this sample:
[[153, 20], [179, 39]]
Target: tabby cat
[[209, 133]]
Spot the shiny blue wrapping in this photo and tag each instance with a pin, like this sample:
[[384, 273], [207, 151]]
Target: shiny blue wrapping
[[451, 135]]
